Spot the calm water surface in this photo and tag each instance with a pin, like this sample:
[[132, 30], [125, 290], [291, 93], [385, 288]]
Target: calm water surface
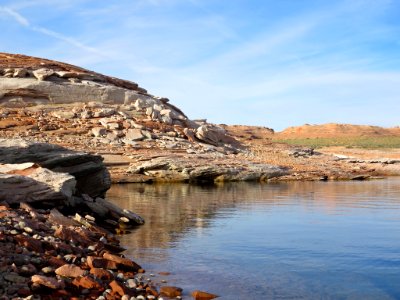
[[301, 240]]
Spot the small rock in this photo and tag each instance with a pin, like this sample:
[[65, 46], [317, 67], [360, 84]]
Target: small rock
[[42, 73], [14, 278], [131, 283], [47, 270], [49, 282], [90, 218], [122, 261], [123, 220], [134, 134], [171, 291], [70, 271], [105, 112], [86, 282], [101, 273], [28, 229], [118, 288], [64, 114], [20, 73], [199, 295]]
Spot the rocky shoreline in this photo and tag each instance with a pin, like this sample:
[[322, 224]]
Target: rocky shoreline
[[57, 237], [45, 255]]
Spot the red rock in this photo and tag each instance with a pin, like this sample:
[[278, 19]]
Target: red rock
[[49, 282], [118, 288], [98, 262], [69, 271], [101, 273], [122, 261], [63, 247], [171, 291], [61, 294], [29, 243], [152, 291], [25, 206], [199, 295], [3, 207], [164, 273], [58, 218], [55, 262], [87, 282], [24, 292]]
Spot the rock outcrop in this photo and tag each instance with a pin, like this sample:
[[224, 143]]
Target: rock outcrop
[[27, 81], [91, 175], [184, 169], [47, 175], [30, 183]]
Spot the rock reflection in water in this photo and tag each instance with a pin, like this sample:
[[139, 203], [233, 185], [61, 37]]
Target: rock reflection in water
[[171, 210], [295, 240]]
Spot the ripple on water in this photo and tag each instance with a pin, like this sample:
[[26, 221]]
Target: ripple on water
[[300, 240]]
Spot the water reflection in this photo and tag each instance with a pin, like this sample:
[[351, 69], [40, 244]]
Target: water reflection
[[171, 210], [290, 240]]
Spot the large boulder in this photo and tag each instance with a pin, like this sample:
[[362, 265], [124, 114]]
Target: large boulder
[[92, 177], [214, 135], [29, 183]]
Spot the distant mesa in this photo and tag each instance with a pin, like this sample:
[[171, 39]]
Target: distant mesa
[[337, 130]]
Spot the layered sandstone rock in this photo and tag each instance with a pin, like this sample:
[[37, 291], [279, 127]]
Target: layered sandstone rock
[[52, 176], [185, 169], [27, 81], [30, 183], [91, 176]]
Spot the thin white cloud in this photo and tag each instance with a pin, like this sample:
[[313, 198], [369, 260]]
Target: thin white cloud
[[17, 17], [20, 19], [66, 39]]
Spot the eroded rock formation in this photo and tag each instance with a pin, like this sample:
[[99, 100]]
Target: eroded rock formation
[[27, 81], [91, 175], [47, 175]]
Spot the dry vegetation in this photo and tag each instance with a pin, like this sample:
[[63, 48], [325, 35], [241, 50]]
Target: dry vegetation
[[364, 142]]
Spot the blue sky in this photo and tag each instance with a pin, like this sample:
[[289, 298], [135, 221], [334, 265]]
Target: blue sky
[[270, 63]]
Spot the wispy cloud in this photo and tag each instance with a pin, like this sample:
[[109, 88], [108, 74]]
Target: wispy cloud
[[16, 16], [20, 19]]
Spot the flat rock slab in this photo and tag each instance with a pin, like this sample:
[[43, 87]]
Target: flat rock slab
[[26, 183], [183, 168], [91, 175]]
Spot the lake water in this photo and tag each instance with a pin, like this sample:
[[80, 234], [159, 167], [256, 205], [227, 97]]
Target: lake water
[[299, 240]]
